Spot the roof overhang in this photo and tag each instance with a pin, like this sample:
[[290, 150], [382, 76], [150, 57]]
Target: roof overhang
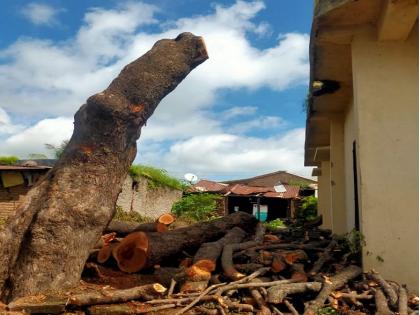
[[334, 25]]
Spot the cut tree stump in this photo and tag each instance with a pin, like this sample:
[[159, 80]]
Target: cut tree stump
[[46, 243]]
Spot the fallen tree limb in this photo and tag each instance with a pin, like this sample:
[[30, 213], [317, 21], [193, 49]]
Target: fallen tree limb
[[277, 294], [211, 251], [146, 292], [323, 258], [381, 302], [127, 309], [125, 227], [331, 284], [402, 301], [386, 287]]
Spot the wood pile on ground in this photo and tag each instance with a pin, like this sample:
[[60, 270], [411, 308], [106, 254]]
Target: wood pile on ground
[[230, 265]]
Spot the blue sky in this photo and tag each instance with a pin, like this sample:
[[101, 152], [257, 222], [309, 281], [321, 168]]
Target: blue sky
[[237, 115]]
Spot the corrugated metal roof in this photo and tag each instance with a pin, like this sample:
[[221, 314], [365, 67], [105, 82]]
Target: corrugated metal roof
[[22, 168], [245, 190], [209, 186]]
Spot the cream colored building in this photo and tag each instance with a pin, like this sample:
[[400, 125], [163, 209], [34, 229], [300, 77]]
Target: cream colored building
[[362, 127]]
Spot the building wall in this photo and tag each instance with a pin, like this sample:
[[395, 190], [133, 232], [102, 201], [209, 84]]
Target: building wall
[[324, 195], [10, 199], [349, 137], [149, 202], [338, 203], [385, 79]]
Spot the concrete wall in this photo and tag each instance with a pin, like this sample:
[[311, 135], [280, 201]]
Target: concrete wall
[[349, 137], [149, 202], [385, 80], [337, 175], [324, 195]]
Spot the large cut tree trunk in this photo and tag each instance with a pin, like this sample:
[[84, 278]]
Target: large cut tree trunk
[[47, 242]]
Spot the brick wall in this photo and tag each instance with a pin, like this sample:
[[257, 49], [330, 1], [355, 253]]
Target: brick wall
[[11, 198]]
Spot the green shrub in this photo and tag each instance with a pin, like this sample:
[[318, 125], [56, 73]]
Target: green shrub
[[354, 241], [156, 177], [8, 160], [196, 206], [308, 209], [274, 225], [131, 216]]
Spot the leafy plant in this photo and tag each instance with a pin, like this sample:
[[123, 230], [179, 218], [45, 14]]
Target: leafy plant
[[8, 160], [198, 207], [274, 225], [355, 241], [302, 184], [156, 177], [308, 209], [328, 310], [57, 149], [131, 216]]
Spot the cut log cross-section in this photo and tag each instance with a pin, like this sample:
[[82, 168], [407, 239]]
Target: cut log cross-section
[[139, 250], [72, 205], [131, 253]]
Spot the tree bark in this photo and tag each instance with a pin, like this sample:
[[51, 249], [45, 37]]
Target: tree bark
[[123, 228], [47, 242], [166, 245]]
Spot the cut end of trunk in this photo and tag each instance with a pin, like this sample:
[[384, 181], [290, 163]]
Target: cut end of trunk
[[271, 238], [166, 219], [131, 253], [233, 274], [104, 253], [206, 264], [195, 273], [131, 259], [159, 288]]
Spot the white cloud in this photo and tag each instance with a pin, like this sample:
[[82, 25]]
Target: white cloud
[[238, 111], [223, 154], [6, 125], [52, 79], [263, 122], [33, 139], [40, 14]]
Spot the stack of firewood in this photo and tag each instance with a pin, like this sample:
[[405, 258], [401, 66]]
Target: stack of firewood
[[230, 265]]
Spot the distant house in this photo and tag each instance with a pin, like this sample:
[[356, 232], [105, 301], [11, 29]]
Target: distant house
[[273, 195], [136, 195], [15, 182]]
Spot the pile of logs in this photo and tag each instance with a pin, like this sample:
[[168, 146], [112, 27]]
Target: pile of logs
[[230, 265]]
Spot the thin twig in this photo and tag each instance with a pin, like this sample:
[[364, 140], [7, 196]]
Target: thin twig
[[291, 307], [171, 288], [205, 292]]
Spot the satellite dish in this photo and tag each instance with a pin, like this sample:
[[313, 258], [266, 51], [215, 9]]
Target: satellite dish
[[192, 178]]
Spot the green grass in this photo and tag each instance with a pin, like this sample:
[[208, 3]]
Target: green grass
[[275, 225], [8, 160], [156, 177], [131, 216]]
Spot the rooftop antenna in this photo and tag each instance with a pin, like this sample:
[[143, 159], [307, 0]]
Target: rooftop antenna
[[191, 178]]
